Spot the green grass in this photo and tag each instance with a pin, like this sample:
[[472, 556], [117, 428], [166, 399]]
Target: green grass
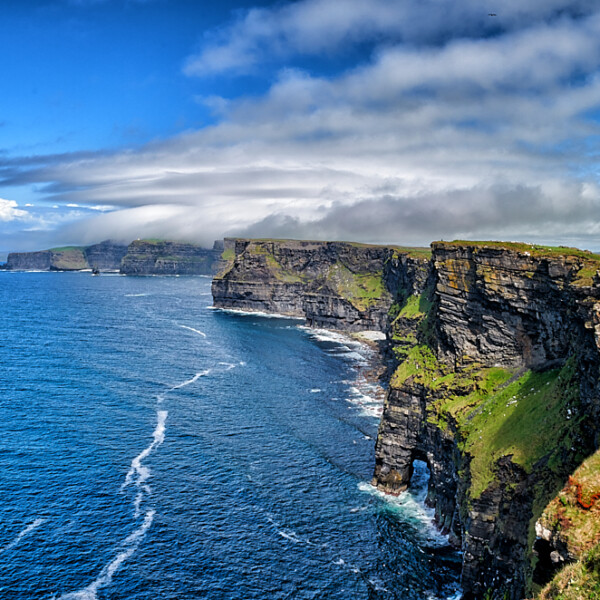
[[524, 419], [420, 366], [228, 254], [67, 248], [69, 258], [415, 307], [362, 290], [413, 251], [533, 249], [494, 415], [576, 581]]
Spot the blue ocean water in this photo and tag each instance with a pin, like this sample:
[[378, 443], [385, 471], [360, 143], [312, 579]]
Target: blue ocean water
[[154, 448]]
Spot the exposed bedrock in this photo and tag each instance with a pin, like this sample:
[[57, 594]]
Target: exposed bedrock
[[105, 256], [335, 285], [496, 350], [498, 391], [161, 257]]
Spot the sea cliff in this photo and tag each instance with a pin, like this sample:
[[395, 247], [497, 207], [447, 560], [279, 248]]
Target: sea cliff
[[163, 257], [496, 347], [337, 285], [105, 256], [140, 257]]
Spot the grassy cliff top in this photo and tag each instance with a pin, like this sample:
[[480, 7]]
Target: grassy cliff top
[[67, 249], [414, 251], [536, 250]]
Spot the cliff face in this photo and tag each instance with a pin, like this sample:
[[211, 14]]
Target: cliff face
[[335, 285], [150, 257], [104, 256], [496, 386], [498, 392]]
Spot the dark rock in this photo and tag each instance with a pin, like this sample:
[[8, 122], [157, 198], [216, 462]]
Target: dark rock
[[159, 257], [335, 285], [105, 256]]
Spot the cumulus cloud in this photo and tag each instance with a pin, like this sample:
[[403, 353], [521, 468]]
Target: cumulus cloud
[[10, 212]]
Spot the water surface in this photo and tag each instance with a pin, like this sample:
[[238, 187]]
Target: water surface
[[155, 448]]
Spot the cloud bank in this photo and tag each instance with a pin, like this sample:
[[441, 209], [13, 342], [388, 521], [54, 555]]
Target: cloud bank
[[453, 124]]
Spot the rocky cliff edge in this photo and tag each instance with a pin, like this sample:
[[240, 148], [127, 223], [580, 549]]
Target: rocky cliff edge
[[496, 384]]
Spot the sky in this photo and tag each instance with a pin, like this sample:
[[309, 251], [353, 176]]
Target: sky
[[381, 121]]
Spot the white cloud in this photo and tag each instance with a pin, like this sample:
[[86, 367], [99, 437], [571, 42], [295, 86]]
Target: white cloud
[[482, 137], [315, 27], [10, 212]]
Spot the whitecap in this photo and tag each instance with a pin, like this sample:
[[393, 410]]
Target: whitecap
[[138, 473], [255, 313], [292, 536], [410, 504]]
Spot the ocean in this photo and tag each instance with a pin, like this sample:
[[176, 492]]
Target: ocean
[[153, 447]]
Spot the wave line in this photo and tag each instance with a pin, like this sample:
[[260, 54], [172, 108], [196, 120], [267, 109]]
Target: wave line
[[138, 472], [129, 545], [194, 330], [190, 381], [22, 534]]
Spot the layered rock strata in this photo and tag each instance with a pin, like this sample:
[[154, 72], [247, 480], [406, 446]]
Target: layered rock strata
[[496, 385], [161, 257], [335, 285], [499, 394], [105, 256]]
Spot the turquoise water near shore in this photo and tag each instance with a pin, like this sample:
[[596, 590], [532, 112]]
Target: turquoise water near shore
[[153, 447]]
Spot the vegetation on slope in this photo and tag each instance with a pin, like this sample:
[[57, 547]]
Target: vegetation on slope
[[228, 254], [493, 411], [574, 517], [362, 290], [496, 413]]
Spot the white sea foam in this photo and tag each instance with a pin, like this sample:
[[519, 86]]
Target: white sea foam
[[254, 313], [292, 536], [135, 295], [194, 330], [128, 547], [346, 347], [411, 505], [138, 473], [190, 381], [25, 532], [368, 397]]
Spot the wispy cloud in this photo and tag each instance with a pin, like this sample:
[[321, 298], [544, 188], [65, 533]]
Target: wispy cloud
[[314, 27]]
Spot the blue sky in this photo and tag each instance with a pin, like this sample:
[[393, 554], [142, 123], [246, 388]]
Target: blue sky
[[393, 121]]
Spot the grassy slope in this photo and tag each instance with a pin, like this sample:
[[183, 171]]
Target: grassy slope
[[579, 528]]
